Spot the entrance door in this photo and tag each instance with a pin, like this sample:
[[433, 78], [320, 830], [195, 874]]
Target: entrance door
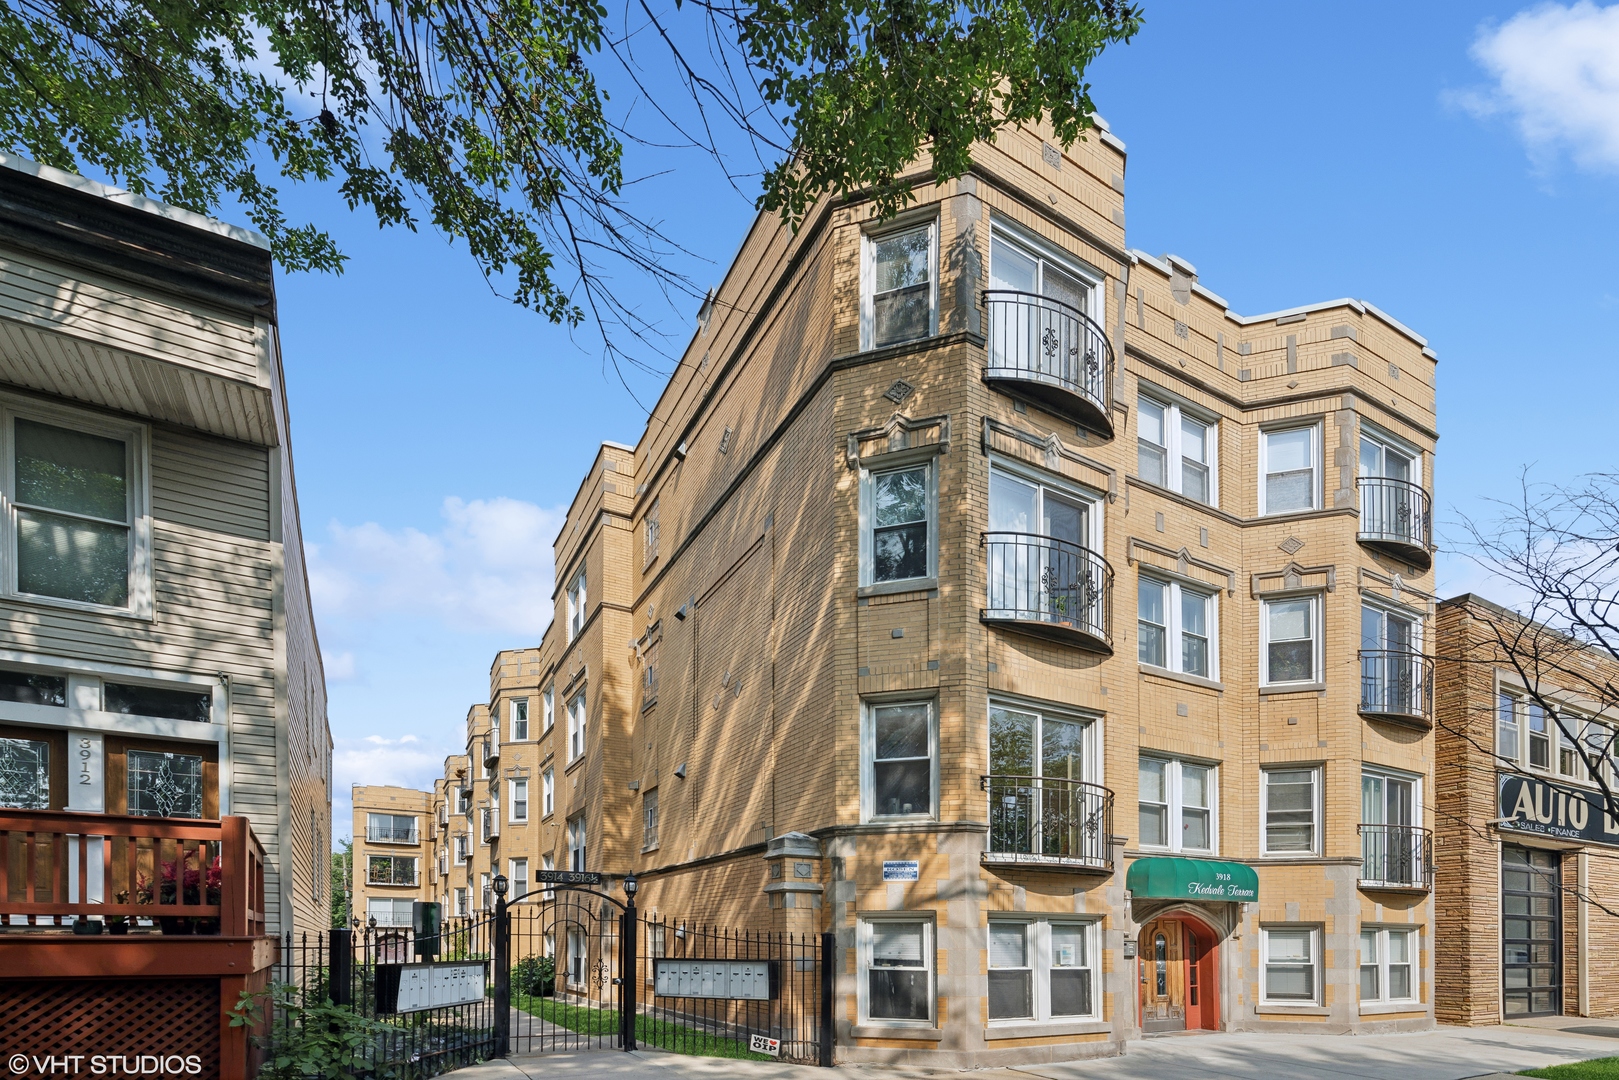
[[1531, 932], [1163, 976]]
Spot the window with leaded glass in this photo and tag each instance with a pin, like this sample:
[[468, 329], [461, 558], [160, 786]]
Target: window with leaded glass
[[164, 784], [25, 774]]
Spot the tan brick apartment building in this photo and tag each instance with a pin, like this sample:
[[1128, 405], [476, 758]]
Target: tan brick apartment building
[[395, 834], [993, 596], [1527, 859]]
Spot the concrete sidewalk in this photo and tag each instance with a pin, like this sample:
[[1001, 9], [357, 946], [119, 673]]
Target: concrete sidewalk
[[1446, 1053]]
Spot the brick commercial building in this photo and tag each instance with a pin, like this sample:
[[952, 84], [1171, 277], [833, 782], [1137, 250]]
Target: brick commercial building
[[994, 597], [1527, 859]]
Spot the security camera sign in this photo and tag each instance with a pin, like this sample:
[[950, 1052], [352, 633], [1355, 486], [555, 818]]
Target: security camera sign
[[764, 1044]]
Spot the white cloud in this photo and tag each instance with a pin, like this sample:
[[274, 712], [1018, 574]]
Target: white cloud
[[375, 760], [488, 569], [1556, 72], [340, 667]]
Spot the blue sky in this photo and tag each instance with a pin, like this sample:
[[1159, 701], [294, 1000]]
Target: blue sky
[[1455, 164]]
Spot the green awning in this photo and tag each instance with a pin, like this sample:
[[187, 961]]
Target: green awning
[[1192, 879]]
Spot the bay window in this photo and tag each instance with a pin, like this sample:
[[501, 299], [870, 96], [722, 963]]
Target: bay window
[[899, 294], [898, 516]]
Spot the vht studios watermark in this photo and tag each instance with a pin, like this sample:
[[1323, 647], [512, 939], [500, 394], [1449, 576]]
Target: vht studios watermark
[[152, 1066]]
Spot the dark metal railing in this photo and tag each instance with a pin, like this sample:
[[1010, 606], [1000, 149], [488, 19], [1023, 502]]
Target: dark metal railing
[[1395, 512], [1038, 339], [1396, 682], [1049, 820], [385, 834], [1045, 580], [1396, 856]]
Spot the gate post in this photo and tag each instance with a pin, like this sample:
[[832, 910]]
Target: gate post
[[503, 972], [340, 967], [829, 945], [627, 973]]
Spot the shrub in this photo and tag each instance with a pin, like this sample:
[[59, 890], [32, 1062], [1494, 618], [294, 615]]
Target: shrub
[[534, 975]]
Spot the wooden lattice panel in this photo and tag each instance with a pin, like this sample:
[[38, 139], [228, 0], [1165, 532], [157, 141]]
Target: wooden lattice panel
[[160, 1017]]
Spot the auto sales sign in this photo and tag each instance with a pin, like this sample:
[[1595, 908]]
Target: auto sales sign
[[1531, 805]]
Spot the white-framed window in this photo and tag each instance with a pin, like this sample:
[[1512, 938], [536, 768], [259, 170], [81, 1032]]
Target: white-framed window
[[1290, 640], [899, 295], [390, 869], [388, 911], [896, 969], [1540, 736], [520, 720], [1389, 798], [1508, 727], [548, 709], [486, 894], [1176, 450], [1388, 964], [518, 872], [1041, 970], [901, 760], [898, 524], [463, 845], [1022, 264], [1177, 627], [649, 820], [1177, 804], [577, 605], [576, 844], [1570, 728], [519, 800], [1290, 959], [578, 946], [390, 828], [576, 727], [1020, 501], [1289, 469], [1290, 810], [1034, 741], [461, 901], [79, 529], [649, 526], [1386, 457], [548, 791]]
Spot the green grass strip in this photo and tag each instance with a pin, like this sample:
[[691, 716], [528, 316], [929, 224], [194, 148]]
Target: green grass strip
[[1599, 1069], [649, 1031]]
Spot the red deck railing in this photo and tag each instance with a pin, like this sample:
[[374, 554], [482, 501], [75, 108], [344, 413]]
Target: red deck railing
[[56, 866]]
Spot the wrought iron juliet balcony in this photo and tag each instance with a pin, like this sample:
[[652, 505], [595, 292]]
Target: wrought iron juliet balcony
[[379, 833], [1396, 516], [1396, 857], [1054, 355], [1049, 823], [1050, 588], [1397, 684]]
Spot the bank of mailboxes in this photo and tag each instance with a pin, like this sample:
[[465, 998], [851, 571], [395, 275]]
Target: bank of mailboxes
[[407, 988], [745, 980]]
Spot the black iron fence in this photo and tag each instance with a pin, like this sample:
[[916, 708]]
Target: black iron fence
[[1395, 512], [1396, 856], [1049, 820], [362, 969], [1037, 339], [1396, 682], [1040, 579]]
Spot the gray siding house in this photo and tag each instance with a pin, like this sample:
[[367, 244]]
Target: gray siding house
[[158, 654]]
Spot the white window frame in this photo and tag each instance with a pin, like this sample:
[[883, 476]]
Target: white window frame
[[519, 881], [1174, 456], [1091, 764], [463, 848], [1315, 771], [1034, 247], [485, 894], [137, 457], [863, 941], [577, 719], [578, 844], [868, 276], [1175, 823], [1040, 967], [1314, 428], [548, 709], [868, 760], [1265, 933], [461, 900], [548, 788], [519, 715], [868, 478], [1383, 772], [515, 785], [1513, 706], [578, 603], [1386, 443], [651, 821], [1095, 504], [1174, 628], [415, 870], [1381, 962], [1317, 652]]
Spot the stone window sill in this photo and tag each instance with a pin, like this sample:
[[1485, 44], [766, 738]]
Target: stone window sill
[[1291, 1010], [1293, 688], [1179, 676], [1019, 1030], [887, 588], [896, 1031], [1395, 1008]]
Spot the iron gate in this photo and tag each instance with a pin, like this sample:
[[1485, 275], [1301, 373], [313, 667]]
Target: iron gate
[[579, 969]]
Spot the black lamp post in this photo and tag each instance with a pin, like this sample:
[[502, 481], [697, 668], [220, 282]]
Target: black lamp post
[[500, 885]]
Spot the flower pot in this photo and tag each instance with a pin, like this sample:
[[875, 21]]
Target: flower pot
[[118, 928], [86, 928], [176, 924]]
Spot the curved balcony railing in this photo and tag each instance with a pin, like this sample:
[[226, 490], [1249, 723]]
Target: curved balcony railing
[[1397, 684], [1044, 350], [1049, 822], [1396, 857], [1398, 515], [1050, 587]]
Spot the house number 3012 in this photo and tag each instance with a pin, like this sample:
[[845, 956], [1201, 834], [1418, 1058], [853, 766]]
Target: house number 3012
[[85, 754]]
